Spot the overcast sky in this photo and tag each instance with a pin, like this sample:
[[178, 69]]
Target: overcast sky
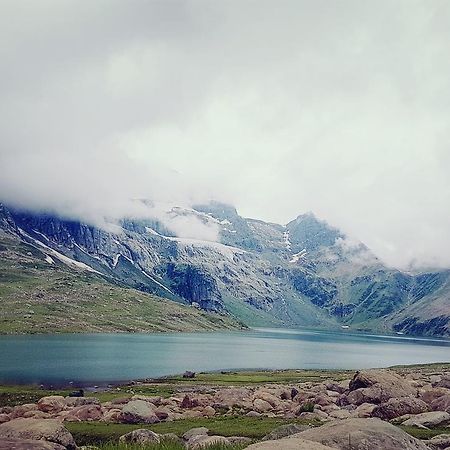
[[279, 107]]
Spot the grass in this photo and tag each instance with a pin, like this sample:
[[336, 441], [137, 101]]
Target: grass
[[421, 433], [38, 297], [94, 433]]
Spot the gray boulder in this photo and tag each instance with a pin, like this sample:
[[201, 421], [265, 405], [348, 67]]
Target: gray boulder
[[428, 419], [362, 434], [439, 442], [138, 411], [293, 443], [285, 431], [140, 436], [37, 429], [396, 407], [27, 444]]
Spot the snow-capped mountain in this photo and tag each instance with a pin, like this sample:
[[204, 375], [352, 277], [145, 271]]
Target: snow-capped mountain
[[304, 273]]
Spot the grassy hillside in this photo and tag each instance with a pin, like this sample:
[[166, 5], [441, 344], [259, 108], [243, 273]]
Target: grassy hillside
[[42, 295]]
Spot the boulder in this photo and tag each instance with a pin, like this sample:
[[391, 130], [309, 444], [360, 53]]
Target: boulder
[[27, 444], [396, 407], [138, 411], [21, 410], [285, 431], [444, 381], [441, 404], [47, 429], [340, 414], [387, 383], [429, 395], [81, 401], [198, 442], [439, 442], [293, 443], [267, 397], [52, 404], [209, 411], [428, 419], [200, 431], [4, 418], [362, 434], [365, 410], [261, 405], [113, 415], [86, 413], [140, 436]]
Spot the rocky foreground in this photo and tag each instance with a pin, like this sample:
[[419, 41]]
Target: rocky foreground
[[359, 414]]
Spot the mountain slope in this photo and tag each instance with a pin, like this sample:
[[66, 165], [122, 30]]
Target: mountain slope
[[305, 273], [40, 293]]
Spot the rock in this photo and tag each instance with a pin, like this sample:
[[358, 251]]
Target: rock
[[198, 442], [21, 410], [77, 393], [140, 436], [293, 443], [429, 395], [340, 414], [267, 397], [362, 434], [396, 407], [147, 398], [386, 384], [81, 401], [188, 403], [27, 444], [48, 430], [188, 374], [253, 414], [441, 404], [162, 413], [428, 419], [439, 442], [52, 404], [285, 431], [113, 415], [239, 440], [261, 405], [444, 381], [209, 411], [4, 418], [365, 410], [87, 413], [138, 411], [200, 431]]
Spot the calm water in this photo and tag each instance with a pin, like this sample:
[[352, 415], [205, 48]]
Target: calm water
[[102, 358]]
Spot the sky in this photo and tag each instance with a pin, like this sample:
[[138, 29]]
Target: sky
[[277, 107]]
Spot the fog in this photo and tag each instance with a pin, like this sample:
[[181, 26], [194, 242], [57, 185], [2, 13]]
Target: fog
[[277, 107]]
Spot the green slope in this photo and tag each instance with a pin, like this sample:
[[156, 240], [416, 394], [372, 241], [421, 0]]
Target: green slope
[[37, 296]]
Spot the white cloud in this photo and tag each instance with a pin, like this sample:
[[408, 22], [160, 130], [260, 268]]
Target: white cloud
[[278, 107]]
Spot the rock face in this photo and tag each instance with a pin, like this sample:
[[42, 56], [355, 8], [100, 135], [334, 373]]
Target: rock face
[[47, 429], [362, 434]]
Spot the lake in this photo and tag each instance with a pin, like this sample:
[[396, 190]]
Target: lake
[[105, 358]]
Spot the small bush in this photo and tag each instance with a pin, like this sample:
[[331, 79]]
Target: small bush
[[307, 407]]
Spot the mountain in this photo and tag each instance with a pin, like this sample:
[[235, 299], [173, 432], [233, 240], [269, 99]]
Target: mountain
[[305, 273]]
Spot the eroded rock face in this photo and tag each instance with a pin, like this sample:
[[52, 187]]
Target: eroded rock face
[[48, 429], [396, 407], [362, 434]]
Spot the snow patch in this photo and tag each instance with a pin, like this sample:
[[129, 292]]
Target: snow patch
[[49, 259], [286, 240], [298, 256], [157, 282]]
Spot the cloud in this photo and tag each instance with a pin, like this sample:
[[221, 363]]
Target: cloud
[[341, 108]]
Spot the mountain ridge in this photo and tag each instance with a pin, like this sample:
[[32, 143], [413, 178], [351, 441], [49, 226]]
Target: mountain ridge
[[304, 273]]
